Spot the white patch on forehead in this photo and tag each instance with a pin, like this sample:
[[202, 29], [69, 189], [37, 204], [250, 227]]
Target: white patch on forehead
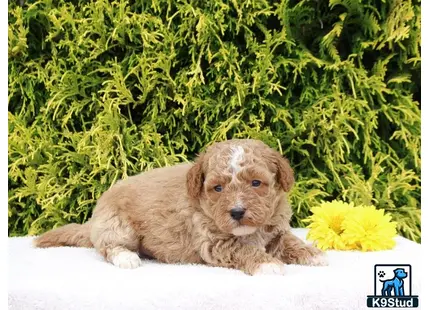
[[237, 153], [243, 230]]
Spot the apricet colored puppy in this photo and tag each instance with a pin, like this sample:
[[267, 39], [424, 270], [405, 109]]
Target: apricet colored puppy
[[228, 209]]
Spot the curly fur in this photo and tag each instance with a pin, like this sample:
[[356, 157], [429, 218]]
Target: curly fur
[[174, 214]]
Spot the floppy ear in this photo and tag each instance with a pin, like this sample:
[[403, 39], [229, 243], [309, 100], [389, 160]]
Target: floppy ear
[[284, 174], [195, 179]]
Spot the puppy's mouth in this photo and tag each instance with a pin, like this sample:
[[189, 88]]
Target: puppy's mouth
[[245, 226], [243, 230]]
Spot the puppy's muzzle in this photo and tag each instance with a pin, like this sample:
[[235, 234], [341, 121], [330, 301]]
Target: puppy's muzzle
[[237, 213]]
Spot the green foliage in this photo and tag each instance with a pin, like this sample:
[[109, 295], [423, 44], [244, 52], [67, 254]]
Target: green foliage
[[102, 89]]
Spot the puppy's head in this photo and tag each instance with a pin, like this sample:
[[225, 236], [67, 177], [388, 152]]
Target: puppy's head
[[239, 184]]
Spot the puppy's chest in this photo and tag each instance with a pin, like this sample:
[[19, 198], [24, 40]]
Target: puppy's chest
[[259, 239]]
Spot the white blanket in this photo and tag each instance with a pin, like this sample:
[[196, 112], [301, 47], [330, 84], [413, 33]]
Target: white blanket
[[78, 278]]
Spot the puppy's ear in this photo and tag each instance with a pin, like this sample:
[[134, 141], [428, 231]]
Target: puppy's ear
[[284, 174], [195, 178]]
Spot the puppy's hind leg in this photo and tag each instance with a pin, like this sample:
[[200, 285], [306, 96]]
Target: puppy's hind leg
[[123, 257], [116, 240]]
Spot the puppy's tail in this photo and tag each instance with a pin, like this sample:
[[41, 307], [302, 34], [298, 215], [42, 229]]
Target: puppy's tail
[[69, 235]]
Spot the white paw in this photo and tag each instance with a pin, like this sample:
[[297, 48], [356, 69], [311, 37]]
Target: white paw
[[128, 260], [270, 269], [319, 260]]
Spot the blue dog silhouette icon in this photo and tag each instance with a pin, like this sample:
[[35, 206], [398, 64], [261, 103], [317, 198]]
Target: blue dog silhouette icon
[[395, 283]]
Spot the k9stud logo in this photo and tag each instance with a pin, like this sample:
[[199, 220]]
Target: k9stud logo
[[392, 287]]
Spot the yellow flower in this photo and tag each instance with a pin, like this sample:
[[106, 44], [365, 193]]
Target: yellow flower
[[367, 229], [341, 226], [326, 227]]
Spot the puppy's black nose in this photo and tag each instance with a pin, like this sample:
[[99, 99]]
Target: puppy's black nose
[[237, 213]]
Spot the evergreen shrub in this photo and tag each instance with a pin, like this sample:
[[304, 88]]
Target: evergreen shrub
[[101, 90]]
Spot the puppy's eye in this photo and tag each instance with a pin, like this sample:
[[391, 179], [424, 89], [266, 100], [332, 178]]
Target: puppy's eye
[[256, 183], [218, 188]]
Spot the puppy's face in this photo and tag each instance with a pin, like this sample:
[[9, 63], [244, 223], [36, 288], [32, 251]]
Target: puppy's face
[[239, 184]]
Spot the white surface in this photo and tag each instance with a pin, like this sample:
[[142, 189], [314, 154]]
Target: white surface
[[78, 278]]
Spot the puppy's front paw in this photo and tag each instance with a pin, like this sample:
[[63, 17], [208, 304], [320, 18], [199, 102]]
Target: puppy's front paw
[[311, 256], [270, 269], [318, 260], [127, 260]]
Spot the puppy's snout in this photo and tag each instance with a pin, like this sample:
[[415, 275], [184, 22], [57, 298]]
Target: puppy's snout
[[237, 213]]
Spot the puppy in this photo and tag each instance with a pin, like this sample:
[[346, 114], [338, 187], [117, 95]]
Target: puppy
[[228, 209]]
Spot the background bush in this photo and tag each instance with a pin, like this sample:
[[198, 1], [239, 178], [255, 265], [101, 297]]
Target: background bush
[[99, 90]]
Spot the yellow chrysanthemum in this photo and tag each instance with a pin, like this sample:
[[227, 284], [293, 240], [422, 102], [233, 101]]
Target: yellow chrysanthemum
[[341, 226], [367, 229], [325, 226]]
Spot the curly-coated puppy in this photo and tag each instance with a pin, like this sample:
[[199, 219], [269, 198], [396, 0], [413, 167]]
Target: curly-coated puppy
[[228, 209]]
